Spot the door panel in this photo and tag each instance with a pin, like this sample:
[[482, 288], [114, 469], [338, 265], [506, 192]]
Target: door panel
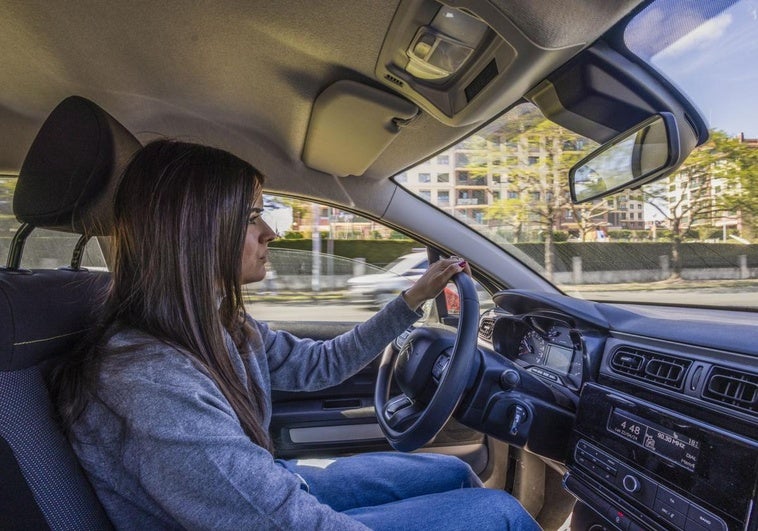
[[340, 419]]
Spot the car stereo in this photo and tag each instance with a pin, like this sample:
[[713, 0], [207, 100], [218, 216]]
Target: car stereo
[[644, 467]]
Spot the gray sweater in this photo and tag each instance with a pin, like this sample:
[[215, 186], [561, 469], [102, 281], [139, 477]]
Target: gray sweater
[[164, 449]]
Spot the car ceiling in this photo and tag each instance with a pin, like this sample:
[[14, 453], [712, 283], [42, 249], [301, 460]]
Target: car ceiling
[[244, 75]]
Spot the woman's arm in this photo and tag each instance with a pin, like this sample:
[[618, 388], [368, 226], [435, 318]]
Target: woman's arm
[[307, 365]]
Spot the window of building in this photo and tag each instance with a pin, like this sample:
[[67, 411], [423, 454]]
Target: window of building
[[443, 177], [443, 198], [424, 177], [425, 194], [443, 159], [513, 195]]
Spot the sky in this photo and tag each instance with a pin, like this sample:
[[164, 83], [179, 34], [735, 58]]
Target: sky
[[715, 64]]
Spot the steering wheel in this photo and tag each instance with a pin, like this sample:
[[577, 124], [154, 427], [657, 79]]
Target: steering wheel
[[432, 370]]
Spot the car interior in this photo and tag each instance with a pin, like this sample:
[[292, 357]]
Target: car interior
[[594, 415]]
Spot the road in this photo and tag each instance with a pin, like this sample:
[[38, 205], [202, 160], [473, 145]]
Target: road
[[740, 297]]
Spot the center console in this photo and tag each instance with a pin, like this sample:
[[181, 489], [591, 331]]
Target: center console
[[642, 467]]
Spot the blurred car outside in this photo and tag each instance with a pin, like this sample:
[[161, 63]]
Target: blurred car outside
[[377, 289]]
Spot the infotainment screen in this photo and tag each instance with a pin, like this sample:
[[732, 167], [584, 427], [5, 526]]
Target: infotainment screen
[[663, 442]]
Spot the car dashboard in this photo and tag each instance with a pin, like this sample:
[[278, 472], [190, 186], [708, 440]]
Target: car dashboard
[[650, 410]]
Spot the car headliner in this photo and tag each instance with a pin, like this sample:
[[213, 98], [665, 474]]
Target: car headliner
[[242, 75]]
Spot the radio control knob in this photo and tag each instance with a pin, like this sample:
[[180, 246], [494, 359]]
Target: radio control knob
[[631, 483]]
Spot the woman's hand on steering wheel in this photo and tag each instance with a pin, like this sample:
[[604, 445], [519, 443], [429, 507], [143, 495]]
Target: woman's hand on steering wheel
[[434, 280]]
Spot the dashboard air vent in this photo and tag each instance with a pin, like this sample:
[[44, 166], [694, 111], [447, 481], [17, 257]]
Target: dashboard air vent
[[486, 326], [658, 369], [735, 389], [393, 79]]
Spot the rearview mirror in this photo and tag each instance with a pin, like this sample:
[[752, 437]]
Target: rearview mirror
[[645, 152]]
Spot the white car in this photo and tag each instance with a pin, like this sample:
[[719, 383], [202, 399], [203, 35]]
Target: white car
[[376, 289]]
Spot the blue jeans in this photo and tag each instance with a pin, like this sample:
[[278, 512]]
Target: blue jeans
[[406, 492]]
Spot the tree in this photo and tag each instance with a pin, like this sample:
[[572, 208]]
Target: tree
[[511, 213], [742, 180], [717, 177], [587, 215], [537, 181]]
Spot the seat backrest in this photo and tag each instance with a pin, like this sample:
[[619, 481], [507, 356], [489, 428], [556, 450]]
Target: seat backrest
[[66, 183]]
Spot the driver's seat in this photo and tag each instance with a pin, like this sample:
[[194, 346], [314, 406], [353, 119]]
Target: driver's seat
[[66, 184]]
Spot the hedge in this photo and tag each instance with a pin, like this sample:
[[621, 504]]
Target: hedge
[[596, 256]]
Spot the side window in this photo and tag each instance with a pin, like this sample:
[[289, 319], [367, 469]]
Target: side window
[[44, 249], [350, 270]]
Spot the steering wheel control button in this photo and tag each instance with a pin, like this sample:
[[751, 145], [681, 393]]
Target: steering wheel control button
[[631, 484], [440, 365]]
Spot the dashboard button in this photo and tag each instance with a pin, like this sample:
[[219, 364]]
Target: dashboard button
[[670, 514], [631, 484], [674, 501], [705, 519], [618, 518], [646, 493]]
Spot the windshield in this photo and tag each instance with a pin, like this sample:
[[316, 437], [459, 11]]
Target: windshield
[[691, 238]]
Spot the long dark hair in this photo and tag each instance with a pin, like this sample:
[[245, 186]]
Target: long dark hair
[[181, 215]]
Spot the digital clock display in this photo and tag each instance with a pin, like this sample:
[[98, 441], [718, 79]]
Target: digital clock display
[[666, 443]]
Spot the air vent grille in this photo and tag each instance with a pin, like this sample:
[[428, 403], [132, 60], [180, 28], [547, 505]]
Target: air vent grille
[[656, 368], [486, 326], [393, 79], [735, 389]]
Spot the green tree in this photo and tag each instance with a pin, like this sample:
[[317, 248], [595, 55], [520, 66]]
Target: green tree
[[741, 174], [539, 179], [717, 177], [589, 214], [510, 213]]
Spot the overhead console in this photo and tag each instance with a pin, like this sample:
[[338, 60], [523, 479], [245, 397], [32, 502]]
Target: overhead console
[[445, 59]]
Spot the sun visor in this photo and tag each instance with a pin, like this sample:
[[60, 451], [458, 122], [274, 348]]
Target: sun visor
[[351, 125]]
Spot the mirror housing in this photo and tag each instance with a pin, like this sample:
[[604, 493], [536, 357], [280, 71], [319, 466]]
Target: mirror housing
[[647, 151]]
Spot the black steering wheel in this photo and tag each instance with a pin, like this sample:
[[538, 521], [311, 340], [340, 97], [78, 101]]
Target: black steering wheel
[[432, 370]]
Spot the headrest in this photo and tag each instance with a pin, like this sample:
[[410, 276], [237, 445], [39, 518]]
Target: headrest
[[70, 174]]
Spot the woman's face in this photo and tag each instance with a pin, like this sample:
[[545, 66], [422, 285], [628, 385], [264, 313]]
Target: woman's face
[[255, 251]]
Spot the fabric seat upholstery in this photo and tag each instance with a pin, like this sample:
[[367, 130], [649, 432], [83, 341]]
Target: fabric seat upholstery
[[66, 183]]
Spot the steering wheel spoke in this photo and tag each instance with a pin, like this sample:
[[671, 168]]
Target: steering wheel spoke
[[400, 410]]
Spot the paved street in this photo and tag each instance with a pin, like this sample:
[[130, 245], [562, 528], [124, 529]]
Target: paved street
[[741, 295]]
